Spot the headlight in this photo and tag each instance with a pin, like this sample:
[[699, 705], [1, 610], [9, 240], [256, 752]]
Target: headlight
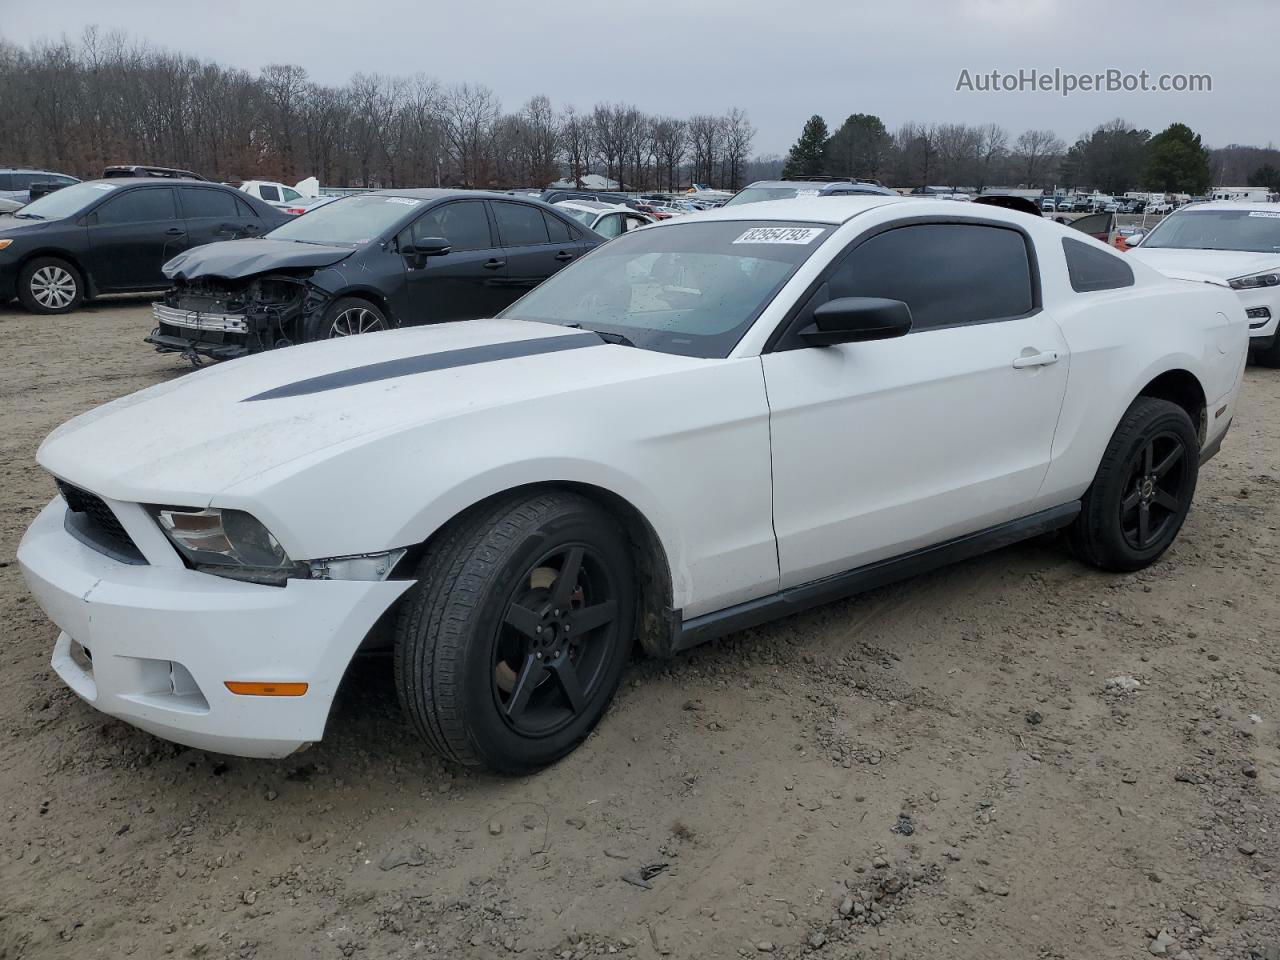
[[5, 243], [1255, 281], [228, 543]]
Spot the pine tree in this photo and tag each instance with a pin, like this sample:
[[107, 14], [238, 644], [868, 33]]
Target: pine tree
[[1177, 162], [805, 158]]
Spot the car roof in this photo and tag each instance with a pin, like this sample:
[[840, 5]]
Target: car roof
[[839, 210], [438, 193], [31, 170], [592, 206], [121, 183], [1261, 205]]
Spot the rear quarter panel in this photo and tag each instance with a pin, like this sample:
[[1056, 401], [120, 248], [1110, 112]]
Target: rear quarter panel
[[1121, 340]]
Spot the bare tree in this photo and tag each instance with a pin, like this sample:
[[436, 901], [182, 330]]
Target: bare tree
[[1034, 153], [470, 113], [738, 136], [670, 142]]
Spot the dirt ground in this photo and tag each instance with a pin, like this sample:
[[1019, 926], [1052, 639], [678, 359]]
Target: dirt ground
[[939, 768]]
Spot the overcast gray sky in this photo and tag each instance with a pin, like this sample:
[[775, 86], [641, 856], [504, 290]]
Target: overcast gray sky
[[779, 61]]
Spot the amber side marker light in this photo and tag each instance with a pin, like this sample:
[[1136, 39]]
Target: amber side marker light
[[266, 689]]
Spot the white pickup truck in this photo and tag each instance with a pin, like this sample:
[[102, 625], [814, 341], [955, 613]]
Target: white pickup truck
[[269, 191]]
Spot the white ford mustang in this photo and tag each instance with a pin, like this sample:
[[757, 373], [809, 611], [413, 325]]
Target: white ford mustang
[[698, 427]]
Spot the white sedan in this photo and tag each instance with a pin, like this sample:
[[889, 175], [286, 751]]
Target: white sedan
[[1237, 242], [607, 219], [696, 428]]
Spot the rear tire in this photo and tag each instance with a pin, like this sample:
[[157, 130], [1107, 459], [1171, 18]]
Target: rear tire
[[502, 659], [50, 285], [1143, 489]]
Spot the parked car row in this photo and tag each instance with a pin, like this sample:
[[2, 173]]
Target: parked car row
[[680, 435]]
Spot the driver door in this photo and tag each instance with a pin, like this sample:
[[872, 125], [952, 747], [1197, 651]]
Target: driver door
[[884, 447], [467, 282]]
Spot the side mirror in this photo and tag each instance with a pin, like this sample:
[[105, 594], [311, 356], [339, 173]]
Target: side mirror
[[417, 253], [1133, 239], [856, 320]]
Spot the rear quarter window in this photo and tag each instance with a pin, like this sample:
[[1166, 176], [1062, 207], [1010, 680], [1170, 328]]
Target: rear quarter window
[[1091, 269]]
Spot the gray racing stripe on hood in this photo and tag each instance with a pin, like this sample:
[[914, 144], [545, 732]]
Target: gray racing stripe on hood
[[428, 363]]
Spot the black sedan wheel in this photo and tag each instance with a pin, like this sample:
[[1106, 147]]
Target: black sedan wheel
[[50, 285], [347, 317], [1143, 489], [512, 644]]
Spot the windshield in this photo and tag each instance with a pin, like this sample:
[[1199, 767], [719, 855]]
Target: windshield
[[582, 216], [686, 288], [349, 221], [1256, 231], [66, 202]]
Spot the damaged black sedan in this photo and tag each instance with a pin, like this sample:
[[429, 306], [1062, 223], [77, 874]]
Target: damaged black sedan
[[365, 263]]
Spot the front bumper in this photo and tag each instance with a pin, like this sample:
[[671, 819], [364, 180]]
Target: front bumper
[[219, 336], [162, 641]]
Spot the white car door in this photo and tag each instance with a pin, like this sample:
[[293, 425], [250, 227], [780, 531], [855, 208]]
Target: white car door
[[880, 448]]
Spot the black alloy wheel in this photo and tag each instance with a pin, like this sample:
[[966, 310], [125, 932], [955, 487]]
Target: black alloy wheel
[[1155, 491], [554, 645]]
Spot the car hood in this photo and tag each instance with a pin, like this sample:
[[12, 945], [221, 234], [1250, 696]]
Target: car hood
[[233, 259], [1224, 264], [15, 226], [183, 441]]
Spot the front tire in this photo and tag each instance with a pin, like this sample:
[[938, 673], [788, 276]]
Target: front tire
[[1143, 489], [511, 645], [346, 317], [50, 285]]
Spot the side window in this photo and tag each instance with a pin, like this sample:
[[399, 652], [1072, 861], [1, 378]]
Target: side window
[[243, 208], [23, 181], [268, 193], [519, 225], [291, 195], [635, 223], [203, 202], [557, 229], [6, 181], [1091, 269], [610, 225], [138, 206], [64, 181], [947, 273], [463, 223]]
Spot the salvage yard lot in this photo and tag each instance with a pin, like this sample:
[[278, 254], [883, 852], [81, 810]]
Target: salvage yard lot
[[938, 768]]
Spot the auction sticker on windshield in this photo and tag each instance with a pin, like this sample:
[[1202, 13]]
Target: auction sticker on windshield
[[780, 235], [407, 201], [1264, 213]]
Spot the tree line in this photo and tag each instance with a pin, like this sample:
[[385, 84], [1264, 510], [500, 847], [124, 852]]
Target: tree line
[[108, 98], [1114, 157]]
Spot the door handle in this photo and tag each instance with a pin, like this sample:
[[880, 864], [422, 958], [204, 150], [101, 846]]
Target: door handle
[[1036, 360], [174, 232], [564, 256], [494, 264]]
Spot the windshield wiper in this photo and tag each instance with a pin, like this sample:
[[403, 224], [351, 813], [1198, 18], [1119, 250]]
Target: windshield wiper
[[30, 216], [617, 338]]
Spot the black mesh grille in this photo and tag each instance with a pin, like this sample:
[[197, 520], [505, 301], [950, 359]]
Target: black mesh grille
[[98, 521]]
